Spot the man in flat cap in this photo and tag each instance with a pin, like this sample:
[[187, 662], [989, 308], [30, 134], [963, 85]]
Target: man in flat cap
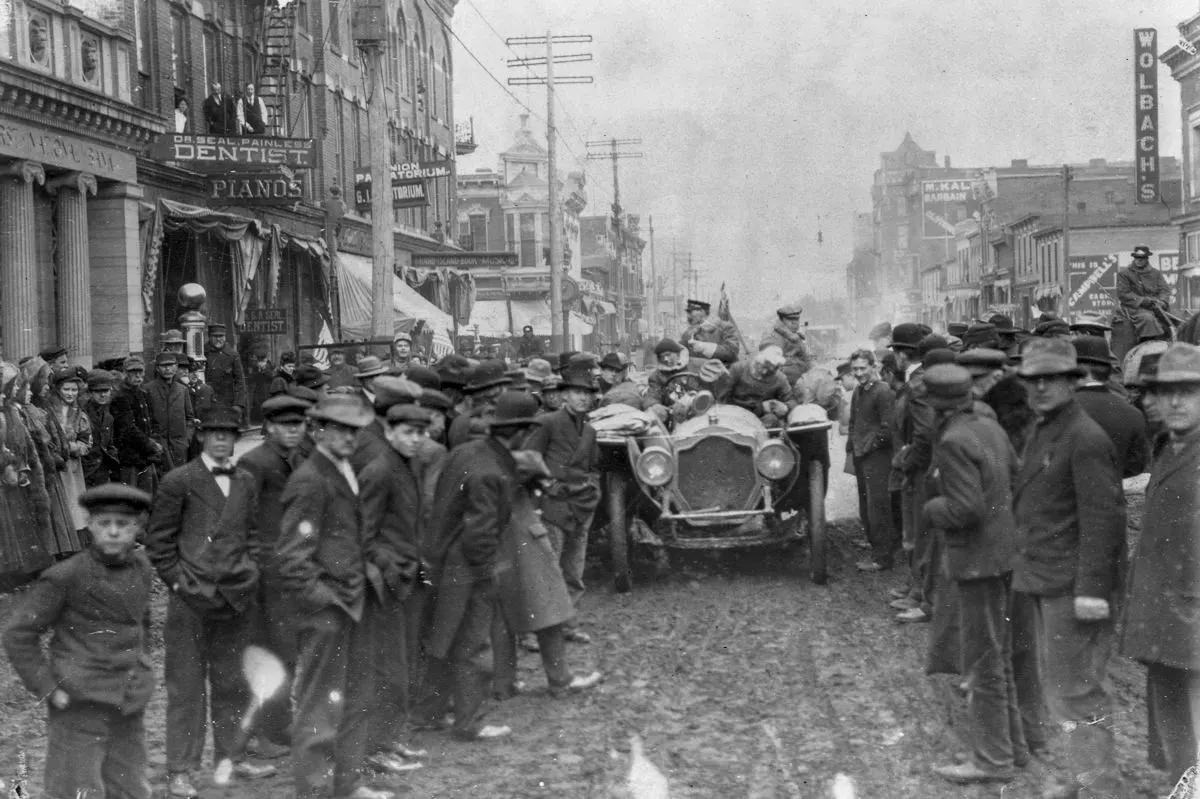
[[223, 371], [1070, 514], [1145, 296], [101, 464], [971, 506], [170, 409], [270, 464], [1159, 627], [201, 539], [709, 338], [133, 429], [322, 565], [401, 352], [787, 335], [55, 357]]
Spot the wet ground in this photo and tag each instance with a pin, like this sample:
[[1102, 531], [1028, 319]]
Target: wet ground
[[743, 678]]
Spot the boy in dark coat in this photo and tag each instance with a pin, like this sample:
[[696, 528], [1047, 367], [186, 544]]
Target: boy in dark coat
[[96, 675]]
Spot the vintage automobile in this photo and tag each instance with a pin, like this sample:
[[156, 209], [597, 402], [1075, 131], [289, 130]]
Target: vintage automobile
[[720, 479]]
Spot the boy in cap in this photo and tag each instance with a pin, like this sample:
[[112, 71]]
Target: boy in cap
[[100, 464], [709, 338], [786, 335], [202, 540], [96, 675]]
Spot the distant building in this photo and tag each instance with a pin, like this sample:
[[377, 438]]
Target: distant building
[[1183, 64]]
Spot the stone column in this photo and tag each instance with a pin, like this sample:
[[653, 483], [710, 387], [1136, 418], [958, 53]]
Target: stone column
[[74, 271], [18, 260]]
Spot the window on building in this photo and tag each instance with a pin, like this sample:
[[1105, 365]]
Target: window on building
[[208, 43], [335, 23], [301, 7], [902, 237], [398, 35], [477, 230], [144, 92], [528, 244], [178, 49], [445, 92], [340, 138], [1191, 248]]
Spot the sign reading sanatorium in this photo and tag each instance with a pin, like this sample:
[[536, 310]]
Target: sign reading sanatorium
[[234, 153], [18, 140]]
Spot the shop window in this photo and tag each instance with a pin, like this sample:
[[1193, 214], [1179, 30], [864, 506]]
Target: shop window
[[528, 251]]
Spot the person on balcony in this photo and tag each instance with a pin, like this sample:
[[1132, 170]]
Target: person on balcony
[[251, 113]]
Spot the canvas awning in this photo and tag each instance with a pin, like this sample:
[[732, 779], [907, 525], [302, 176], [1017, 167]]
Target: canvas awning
[[492, 318], [354, 293]]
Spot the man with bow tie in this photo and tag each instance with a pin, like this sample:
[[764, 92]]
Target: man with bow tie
[[201, 539]]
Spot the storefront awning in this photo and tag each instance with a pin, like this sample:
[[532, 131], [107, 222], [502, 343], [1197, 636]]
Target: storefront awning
[[354, 293], [492, 318]]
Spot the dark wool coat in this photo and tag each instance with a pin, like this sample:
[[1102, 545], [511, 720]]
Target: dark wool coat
[[745, 390], [1134, 286], [133, 426], [1162, 612], [795, 351], [568, 444], [204, 544], [722, 333], [392, 519], [872, 409], [99, 616], [269, 466], [172, 412], [1070, 509], [1124, 425], [223, 371]]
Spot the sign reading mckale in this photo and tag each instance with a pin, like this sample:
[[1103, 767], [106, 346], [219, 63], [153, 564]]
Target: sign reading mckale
[[233, 153], [1145, 78]]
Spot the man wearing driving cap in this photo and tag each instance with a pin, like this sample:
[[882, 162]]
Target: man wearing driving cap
[[1145, 295], [170, 409], [971, 507], [401, 352], [101, 464], [1159, 627], [787, 335], [1119, 420], [475, 497], [709, 338], [1070, 514], [201, 538], [270, 464], [133, 429], [223, 371], [324, 570]]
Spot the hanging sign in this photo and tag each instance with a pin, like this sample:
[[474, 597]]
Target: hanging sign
[[265, 321], [233, 153], [246, 189], [1145, 114], [405, 194]]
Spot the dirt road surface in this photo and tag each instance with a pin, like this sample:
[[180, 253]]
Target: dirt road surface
[[743, 678]]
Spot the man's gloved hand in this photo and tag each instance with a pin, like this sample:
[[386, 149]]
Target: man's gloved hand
[[705, 348], [775, 407], [1090, 608]]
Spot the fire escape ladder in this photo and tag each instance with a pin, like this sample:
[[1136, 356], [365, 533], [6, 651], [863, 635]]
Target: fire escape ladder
[[278, 48]]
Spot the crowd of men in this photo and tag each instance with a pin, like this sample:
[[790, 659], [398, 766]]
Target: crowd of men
[[990, 460]]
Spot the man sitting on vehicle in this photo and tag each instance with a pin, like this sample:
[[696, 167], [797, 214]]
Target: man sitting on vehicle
[[616, 385], [668, 353], [760, 387]]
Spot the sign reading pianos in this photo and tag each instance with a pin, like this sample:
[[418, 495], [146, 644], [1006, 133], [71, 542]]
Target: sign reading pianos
[[268, 188], [234, 153]]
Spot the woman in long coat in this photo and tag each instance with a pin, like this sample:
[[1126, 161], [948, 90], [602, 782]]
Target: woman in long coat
[[25, 509], [61, 537], [76, 429]]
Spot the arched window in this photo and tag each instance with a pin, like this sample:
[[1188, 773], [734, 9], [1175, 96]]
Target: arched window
[[447, 78], [432, 83], [399, 37], [446, 92]]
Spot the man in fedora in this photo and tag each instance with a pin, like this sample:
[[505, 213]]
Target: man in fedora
[[568, 444], [709, 338], [1144, 295], [1159, 627], [475, 495], [786, 335], [370, 367], [323, 567], [971, 506], [1120, 421], [223, 371], [1091, 323], [202, 538], [1070, 514], [1007, 332], [485, 383]]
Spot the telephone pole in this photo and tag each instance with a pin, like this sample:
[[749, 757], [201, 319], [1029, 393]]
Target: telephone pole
[[549, 80], [615, 155], [653, 326], [1066, 244]]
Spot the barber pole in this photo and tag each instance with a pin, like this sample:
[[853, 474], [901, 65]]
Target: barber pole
[[1145, 76]]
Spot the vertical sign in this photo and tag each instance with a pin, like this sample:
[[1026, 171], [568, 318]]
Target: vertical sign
[[1145, 79]]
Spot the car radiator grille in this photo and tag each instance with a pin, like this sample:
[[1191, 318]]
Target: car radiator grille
[[716, 473]]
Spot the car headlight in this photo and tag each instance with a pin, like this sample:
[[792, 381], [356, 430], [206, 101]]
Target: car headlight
[[655, 466], [775, 460]]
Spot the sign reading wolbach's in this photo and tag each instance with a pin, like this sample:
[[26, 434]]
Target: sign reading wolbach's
[[1145, 78], [230, 153]]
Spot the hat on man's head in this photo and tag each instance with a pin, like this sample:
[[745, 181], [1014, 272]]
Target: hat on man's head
[[981, 334], [538, 370], [906, 336], [1141, 251], [698, 305], [574, 377], [790, 311], [166, 359], [551, 384], [392, 390], [303, 392], [581, 360], [370, 366], [1093, 349], [881, 330], [981, 360], [407, 413], [221, 419], [488, 374], [527, 329], [564, 358], [1179, 365], [843, 369], [947, 386], [423, 376], [311, 376], [285, 409], [514, 409], [517, 378], [171, 336], [1051, 327], [287, 357], [957, 329], [1003, 324], [940, 355], [343, 409], [100, 379], [402, 336], [1090, 320], [64, 374], [616, 361], [435, 400], [115, 498], [50, 353], [1049, 357], [216, 330], [667, 345], [134, 364], [1142, 361], [931, 341], [452, 370]]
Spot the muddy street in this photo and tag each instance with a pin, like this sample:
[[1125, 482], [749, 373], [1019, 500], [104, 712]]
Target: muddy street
[[743, 678]]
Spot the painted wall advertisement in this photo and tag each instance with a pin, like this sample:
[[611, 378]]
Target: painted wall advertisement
[[1092, 279], [945, 203]]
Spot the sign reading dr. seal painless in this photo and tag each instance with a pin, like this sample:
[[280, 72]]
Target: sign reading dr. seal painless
[[1145, 113], [234, 153]]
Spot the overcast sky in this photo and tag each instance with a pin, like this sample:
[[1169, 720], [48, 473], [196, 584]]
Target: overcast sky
[[759, 117]]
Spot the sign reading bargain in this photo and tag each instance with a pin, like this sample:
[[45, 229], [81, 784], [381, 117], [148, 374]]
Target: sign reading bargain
[[1145, 79]]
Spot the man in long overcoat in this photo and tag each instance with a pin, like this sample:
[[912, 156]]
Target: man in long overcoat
[[1144, 294], [975, 466], [223, 371], [101, 464], [133, 429], [760, 387], [708, 338], [475, 496], [201, 539], [1070, 513], [869, 445], [1160, 627], [171, 409], [322, 564]]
